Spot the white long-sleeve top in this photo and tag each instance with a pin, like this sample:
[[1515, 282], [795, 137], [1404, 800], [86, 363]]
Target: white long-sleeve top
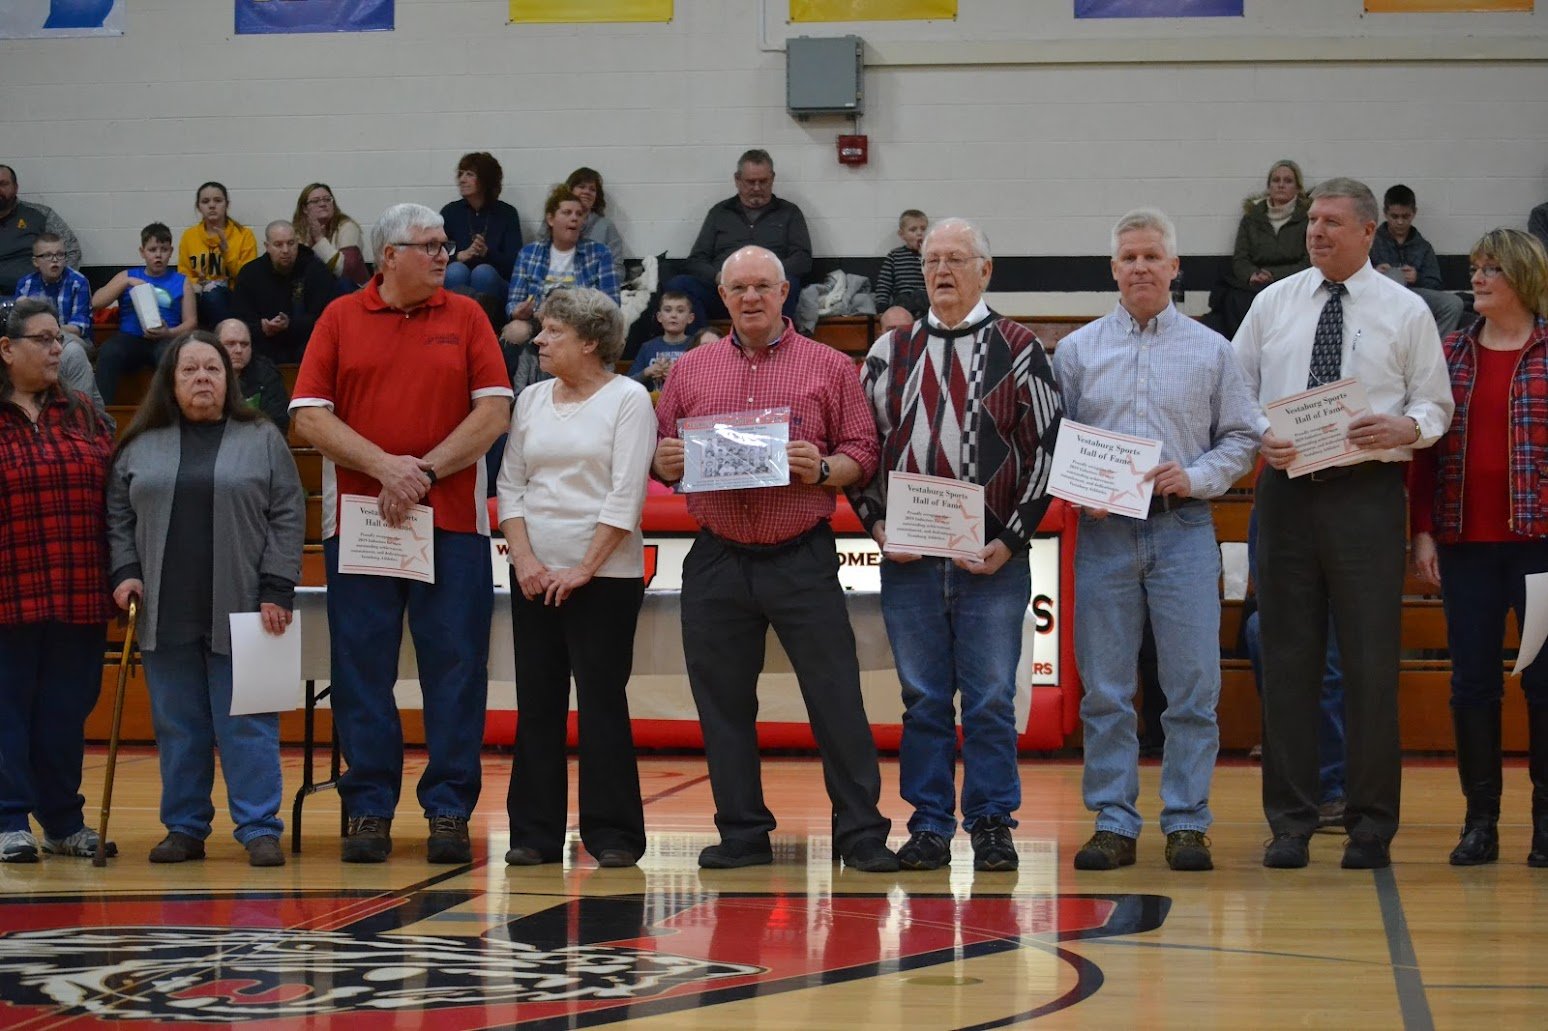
[[567, 469]]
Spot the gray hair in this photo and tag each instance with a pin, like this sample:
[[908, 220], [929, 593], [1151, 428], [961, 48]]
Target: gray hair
[[762, 252], [1340, 186], [24, 311], [399, 221], [593, 316], [1147, 218], [980, 241], [278, 223], [755, 156], [238, 323]]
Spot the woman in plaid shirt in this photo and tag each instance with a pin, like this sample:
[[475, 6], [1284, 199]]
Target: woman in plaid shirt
[[54, 603]]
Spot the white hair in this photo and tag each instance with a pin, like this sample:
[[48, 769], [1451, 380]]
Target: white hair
[[980, 241], [751, 249], [399, 221], [1147, 218]]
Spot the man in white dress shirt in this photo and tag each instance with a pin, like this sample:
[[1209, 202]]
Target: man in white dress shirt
[[1334, 539]]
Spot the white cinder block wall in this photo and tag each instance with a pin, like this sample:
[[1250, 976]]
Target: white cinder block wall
[[965, 117]]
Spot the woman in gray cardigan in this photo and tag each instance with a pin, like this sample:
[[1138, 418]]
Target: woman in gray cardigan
[[205, 518]]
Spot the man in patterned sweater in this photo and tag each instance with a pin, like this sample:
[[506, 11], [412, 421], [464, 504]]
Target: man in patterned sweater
[[968, 395]]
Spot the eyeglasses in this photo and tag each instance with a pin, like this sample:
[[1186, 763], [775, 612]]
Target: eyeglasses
[[762, 289], [50, 256], [44, 339], [317, 202], [1485, 271], [957, 262], [434, 248]]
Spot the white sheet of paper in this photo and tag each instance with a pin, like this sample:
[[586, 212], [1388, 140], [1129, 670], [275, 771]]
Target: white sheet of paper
[[368, 545], [1317, 421], [1536, 629], [265, 670], [1103, 469], [934, 515]]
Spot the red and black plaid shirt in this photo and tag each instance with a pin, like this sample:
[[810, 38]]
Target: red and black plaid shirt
[[53, 515], [821, 388]]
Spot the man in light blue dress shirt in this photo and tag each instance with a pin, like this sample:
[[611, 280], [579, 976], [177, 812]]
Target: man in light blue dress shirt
[[1149, 371]]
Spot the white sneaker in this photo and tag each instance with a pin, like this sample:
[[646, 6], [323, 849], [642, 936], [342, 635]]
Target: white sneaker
[[82, 843], [18, 847]]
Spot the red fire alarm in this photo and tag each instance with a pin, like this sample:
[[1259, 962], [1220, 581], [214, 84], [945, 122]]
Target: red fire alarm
[[853, 150]]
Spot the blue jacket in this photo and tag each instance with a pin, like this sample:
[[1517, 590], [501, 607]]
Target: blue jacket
[[498, 222]]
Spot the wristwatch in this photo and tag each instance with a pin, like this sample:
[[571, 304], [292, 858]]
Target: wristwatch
[[433, 477], [823, 472]]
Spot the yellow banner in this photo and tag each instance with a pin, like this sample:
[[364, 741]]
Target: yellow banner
[[871, 10], [590, 10], [1443, 6]]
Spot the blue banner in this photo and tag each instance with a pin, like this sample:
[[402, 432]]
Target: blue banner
[[1158, 8], [254, 16], [37, 19]]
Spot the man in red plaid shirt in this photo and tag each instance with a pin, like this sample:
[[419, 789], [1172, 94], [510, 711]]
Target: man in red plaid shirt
[[766, 556]]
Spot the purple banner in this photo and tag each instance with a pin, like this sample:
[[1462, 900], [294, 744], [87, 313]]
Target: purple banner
[[1158, 8], [254, 16]]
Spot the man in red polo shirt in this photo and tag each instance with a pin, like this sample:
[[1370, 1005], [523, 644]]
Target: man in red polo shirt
[[767, 556], [403, 390]]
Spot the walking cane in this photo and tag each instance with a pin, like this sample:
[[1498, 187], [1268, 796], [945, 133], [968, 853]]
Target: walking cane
[[100, 859]]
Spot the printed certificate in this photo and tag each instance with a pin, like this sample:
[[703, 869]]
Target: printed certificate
[[1317, 422], [934, 515], [368, 545], [735, 451], [1102, 469]]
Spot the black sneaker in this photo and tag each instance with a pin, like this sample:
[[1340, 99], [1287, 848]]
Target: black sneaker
[[924, 850], [616, 859], [369, 840], [1105, 850], [732, 853], [1188, 850], [1286, 852], [993, 848], [448, 842], [265, 851], [871, 855], [177, 847], [1365, 852], [524, 855]]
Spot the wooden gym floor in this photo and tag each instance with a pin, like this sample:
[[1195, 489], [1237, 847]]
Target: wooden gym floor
[[802, 944]]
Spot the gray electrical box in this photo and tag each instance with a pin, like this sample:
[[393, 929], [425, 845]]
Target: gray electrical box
[[824, 76]]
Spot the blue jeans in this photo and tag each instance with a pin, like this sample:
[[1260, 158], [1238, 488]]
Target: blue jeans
[[1330, 728], [1480, 582], [449, 621], [481, 279], [50, 677], [1169, 567], [190, 693], [956, 632]]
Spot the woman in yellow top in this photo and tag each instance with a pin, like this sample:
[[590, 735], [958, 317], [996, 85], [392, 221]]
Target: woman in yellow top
[[212, 252]]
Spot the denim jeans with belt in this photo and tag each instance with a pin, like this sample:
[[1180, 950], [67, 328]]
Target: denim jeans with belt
[[1169, 567], [190, 694], [955, 632]]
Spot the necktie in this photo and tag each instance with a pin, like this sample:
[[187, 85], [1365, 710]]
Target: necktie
[[1327, 358]]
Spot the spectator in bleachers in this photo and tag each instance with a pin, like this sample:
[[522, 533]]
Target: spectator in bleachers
[[484, 230], [562, 259], [134, 345], [955, 623], [900, 285], [586, 184], [21, 223], [206, 517], [1149, 371], [212, 253], [657, 356], [1402, 254], [281, 293], [54, 606], [405, 431], [767, 557], [66, 289], [572, 488], [261, 384], [332, 235], [753, 217], [1333, 540], [1480, 543], [1270, 246], [1537, 223]]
